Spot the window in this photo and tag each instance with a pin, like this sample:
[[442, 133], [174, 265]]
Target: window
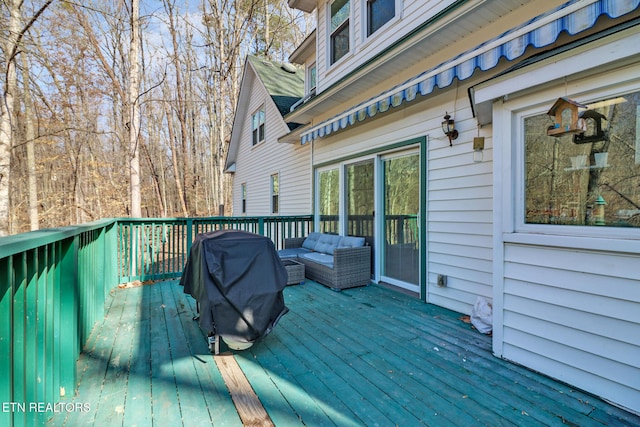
[[311, 79], [257, 126], [275, 192], [329, 201], [588, 179], [244, 198], [340, 10], [379, 12]]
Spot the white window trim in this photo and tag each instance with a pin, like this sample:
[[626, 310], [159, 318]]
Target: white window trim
[[519, 178], [271, 193], [382, 30], [264, 136], [508, 118], [331, 65], [308, 89], [243, 198]]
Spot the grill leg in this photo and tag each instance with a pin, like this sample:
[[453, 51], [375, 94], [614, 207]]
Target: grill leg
[[214, 343], [197, 316]]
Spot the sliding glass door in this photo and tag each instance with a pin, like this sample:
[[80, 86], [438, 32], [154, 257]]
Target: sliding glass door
[[377, 197], [401, 203]]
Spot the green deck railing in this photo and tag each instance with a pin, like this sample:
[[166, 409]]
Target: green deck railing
[[53, 285], [52, 291], [158, 248]]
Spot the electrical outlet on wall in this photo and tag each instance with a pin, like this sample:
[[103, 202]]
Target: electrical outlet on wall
[[442, 281]]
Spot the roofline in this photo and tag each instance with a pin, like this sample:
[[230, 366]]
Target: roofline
[[230, 160], [302, 51]]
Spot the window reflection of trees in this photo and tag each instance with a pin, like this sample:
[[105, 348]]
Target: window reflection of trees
[[329, 202], [565, 180]]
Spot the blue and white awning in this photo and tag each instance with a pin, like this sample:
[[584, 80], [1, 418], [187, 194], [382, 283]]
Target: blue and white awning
[[572, 17]]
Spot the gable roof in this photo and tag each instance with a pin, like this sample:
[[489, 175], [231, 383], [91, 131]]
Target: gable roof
[[283, 81]]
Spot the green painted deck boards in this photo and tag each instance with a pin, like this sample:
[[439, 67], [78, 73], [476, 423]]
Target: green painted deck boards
[[365, 356]]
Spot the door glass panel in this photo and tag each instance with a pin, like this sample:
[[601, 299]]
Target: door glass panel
[[360, 201], [329, 203], [401, 208]]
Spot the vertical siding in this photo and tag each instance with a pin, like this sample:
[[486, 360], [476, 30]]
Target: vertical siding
[[573, 314], [459, 191], [256, 164]]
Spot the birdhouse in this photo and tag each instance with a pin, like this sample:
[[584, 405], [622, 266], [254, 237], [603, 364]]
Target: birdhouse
[[594, 131], [566, 118]]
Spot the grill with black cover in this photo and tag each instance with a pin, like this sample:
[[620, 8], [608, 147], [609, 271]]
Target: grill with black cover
[[237, 278]]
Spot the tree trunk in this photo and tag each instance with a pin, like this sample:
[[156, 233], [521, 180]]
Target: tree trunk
[[174, 161], [30, 136], [7, 113], [134, 117]]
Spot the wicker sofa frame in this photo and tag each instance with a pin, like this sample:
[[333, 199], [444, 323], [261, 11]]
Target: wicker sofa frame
[[351, 266]]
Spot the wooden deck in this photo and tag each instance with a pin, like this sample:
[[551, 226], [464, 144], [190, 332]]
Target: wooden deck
[[366, 356]]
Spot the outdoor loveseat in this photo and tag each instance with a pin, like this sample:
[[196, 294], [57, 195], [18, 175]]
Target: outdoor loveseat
[[338, 262]]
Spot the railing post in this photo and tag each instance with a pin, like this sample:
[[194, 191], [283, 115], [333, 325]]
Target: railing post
[[68, 314], [111, 257], [261, 226], [19, 333], [6, 331], [189, 236]]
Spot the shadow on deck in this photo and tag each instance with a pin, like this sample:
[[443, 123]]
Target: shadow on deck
[[365, 356]]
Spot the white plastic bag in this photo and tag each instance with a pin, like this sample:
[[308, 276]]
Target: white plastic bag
[[482, 315]]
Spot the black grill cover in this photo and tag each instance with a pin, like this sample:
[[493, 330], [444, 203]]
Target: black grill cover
[[237, 278]]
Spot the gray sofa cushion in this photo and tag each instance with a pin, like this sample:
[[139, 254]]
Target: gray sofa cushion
[[320, 258], [292, 253], [327, 243], [311, 241], [351, 242]]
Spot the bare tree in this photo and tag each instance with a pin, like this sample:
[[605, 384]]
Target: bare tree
[[134, 106], [79, 131], [30, 136], [11, 48]]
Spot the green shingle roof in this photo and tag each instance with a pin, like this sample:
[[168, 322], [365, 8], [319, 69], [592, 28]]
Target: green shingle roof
[[284, 82]]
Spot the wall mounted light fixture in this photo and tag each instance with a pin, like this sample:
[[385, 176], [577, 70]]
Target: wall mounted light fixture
[[448, 127]]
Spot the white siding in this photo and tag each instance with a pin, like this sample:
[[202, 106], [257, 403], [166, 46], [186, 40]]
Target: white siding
[[460, 216], [459, 191], [256, 164], [573, 314]]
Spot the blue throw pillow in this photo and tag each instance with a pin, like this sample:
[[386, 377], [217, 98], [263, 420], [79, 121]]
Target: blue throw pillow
[[351, 242], [327, 243], [311, 241]]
